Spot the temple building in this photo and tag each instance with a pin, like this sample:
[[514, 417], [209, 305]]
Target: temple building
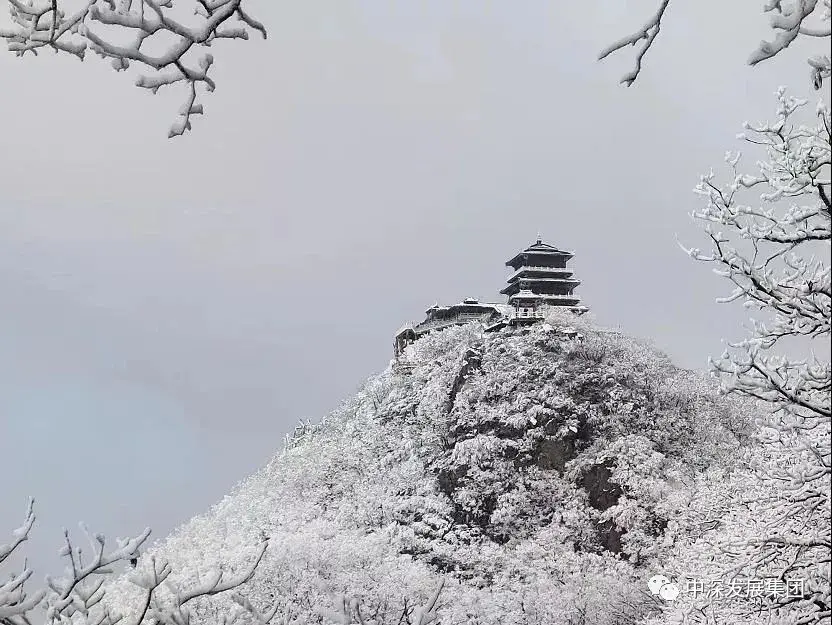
[[539, 279]]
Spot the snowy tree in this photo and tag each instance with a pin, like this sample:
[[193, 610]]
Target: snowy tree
[[774, 518], [167, 39], [82, 596], [77, 597], [790, 19], [775, 251]]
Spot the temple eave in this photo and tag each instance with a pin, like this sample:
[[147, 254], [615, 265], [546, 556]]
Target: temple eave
[[514, 288], [521, 258], [540, 279]]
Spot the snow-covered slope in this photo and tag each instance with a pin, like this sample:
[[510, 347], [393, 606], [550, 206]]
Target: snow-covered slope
[[541, 473]]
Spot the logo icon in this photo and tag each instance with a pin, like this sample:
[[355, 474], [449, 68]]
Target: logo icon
[[663, 587]]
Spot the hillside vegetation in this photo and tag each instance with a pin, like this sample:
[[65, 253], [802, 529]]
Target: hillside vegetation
[[544, 474]]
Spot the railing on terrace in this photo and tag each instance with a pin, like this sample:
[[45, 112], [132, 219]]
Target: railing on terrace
[[543, 268]]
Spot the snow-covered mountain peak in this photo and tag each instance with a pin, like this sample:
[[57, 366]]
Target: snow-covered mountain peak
[[540, 472]]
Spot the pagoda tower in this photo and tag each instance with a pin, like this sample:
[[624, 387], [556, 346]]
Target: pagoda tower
[[541, 278]]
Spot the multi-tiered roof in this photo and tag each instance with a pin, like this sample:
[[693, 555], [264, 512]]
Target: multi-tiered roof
[[541, 277]]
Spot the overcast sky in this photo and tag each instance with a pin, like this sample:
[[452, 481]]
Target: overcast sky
[[169, 309]]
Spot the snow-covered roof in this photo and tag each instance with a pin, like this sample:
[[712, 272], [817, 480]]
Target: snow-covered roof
[[468, 302], [408, 326], [481, 311], [434, 308], [539, 248], [504, 309]]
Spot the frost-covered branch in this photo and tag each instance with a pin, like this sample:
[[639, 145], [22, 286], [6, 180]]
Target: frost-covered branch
[[789, 20], [643, 38], [347, 611], [167, 38], [15, 604], [78, 597], [81, 597], [426, 614], [82, 589], [775, 250], [776, 255]]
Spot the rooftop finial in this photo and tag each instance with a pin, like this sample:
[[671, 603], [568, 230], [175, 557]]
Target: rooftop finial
[[539, 238]]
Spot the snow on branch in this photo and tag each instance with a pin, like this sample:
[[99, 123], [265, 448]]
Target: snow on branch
[[167, 38], [790, 19], [642, 38], [347, 611], [775, 250], [776, 254], [15, 604], [426, 614], [77, 598], [789, 22]]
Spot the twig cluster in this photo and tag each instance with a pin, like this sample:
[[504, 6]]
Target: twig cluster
[[789, 20], [78, 598], [776, 252], [125, 31]]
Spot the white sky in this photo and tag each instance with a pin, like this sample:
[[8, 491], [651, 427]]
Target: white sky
[[171, 308]]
